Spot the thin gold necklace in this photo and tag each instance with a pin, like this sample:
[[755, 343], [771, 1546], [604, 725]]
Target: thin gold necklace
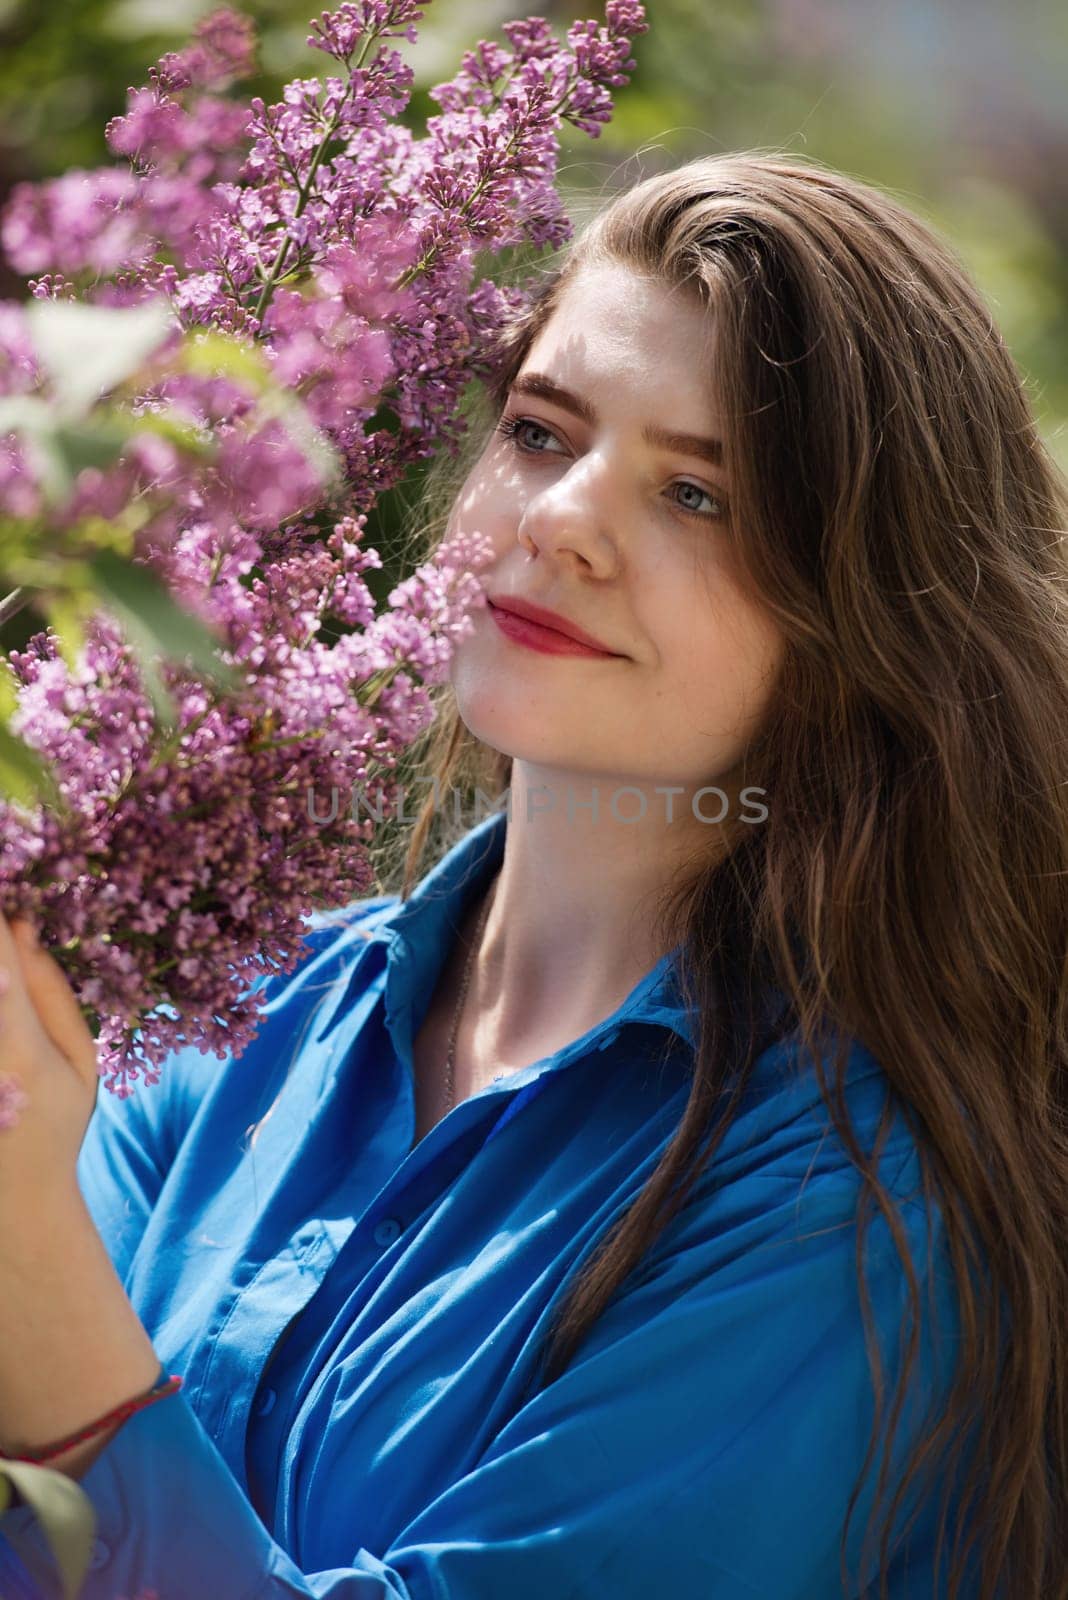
[[450, 1055]]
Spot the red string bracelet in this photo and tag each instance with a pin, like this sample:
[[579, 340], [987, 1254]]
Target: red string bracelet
[[159, 1391]]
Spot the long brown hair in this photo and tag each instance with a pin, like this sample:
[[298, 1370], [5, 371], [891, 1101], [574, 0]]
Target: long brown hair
[[895, 510]]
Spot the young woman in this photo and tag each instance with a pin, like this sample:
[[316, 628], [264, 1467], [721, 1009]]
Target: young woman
[[666, 1193]]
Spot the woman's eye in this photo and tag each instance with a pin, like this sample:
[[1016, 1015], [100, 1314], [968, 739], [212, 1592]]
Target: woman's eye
[[529, 432], [525, 432], [695, 495]]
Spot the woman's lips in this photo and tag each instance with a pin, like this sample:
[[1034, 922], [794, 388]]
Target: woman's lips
[[535, 637]]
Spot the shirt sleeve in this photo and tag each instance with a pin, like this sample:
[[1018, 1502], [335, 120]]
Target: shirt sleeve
[[703, 1441], [129, 1147]]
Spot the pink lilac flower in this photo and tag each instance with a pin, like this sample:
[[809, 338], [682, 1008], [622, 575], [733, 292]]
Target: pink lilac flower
[[180, 864], [210, 847]]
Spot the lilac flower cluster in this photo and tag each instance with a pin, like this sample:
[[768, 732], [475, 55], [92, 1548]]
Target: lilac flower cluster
[[321, 233], [172, 857], [379, 229]]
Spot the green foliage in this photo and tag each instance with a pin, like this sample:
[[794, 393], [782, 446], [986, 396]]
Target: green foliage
[[24, 777], [84, 351]]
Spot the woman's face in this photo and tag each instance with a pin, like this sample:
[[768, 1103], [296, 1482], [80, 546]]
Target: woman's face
[[595, 512]]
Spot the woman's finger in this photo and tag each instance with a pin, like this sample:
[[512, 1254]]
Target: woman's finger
[[51, 997], [14, 1003]]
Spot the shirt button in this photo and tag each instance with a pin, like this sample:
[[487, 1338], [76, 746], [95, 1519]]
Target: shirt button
[[99, 1555], [266, 1402], [386, 1231]]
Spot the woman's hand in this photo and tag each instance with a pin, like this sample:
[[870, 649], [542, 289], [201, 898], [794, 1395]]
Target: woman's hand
[[71, 1345], [48, 1053]]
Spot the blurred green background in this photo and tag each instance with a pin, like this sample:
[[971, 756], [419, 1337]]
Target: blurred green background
[[958, 107]]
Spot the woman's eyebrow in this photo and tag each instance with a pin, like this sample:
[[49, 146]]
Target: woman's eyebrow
[[687, 444]]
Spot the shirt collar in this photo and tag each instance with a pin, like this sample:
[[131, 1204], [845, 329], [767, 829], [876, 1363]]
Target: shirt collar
[[419, 930]]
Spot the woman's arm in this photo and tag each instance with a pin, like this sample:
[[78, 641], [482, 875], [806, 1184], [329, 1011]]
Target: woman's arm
[[71, 1346], [703, 1441]]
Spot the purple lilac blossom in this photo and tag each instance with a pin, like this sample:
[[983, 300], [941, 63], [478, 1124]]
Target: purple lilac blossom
[[345, 249], [169, 861]]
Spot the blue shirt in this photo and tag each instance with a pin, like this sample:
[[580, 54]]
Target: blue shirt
[[705, 1436]]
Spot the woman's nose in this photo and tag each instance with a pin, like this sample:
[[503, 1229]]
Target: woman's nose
[[572, 516]]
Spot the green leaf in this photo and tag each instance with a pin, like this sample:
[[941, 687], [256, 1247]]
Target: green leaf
[[24, 413], [90, 444], [211, 354], [25, 777], [64, 1511], [87, 350], [34, 420], [66, 615], [161, 697], [179, 431], [58, 450], [156, 626], [101, 533], [9, 693]]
